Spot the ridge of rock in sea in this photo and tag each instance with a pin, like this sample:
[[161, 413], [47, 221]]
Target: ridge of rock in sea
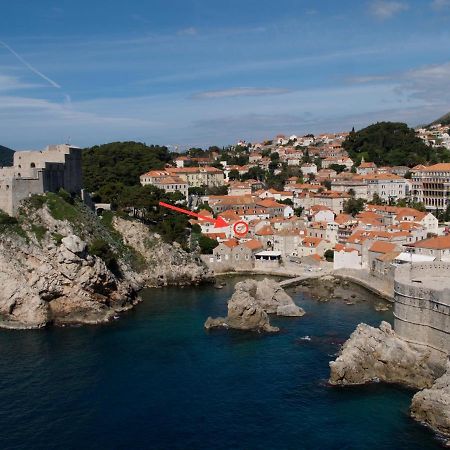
[[49, 272], [250, 306], [379, 354], [432, 406]]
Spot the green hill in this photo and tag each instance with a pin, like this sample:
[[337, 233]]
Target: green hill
[[392, 144], [6, 156], [444, 120], [121, 163]]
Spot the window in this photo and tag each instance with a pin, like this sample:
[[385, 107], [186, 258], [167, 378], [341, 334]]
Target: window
[[32, 165]]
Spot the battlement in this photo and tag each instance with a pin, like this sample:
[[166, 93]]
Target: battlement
[[36, 172]]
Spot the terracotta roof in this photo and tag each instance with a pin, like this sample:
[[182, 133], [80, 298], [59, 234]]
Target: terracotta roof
[[435, 243], [253, 244], [343, 218], [310, 241], [382, 247], [231, 243], [215, 235], [265, 231], [390, 256], [269, 203], [441, 167]]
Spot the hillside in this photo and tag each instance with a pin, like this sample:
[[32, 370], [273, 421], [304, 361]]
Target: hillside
[[444, 120], [393, 144], [6, 156], [62, 264], [120, 164]]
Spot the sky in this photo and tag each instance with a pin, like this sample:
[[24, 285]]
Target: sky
[[204, 72]]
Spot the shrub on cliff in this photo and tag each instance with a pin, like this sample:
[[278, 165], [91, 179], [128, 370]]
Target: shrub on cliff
[[100, 248]]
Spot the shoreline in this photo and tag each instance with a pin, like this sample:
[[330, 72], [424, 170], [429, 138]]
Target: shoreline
[[361, 278]]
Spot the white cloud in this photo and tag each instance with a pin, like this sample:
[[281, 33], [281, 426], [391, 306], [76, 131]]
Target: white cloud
[[191, 31], [241, 92], [429, 83], [383, 9], [440, 4], [9, 83]]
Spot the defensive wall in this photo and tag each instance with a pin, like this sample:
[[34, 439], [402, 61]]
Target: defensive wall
[[422, 304]]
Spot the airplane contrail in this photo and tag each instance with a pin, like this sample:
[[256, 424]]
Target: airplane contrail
[[29, 66]]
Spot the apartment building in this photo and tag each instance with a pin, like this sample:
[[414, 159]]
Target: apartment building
[[431, 185]]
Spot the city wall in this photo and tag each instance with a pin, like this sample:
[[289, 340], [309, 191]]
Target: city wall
[[422, 304]]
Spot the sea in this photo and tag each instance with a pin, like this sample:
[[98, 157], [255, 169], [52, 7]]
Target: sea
[[155, 379]]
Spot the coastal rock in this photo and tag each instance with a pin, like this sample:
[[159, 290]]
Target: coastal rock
[[274, 300], [432, 406], [163, 264], [74, 244], [378, 354], [244, 313], [251, 303]]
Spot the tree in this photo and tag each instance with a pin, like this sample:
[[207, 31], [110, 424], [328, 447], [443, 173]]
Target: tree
[[329, 255], [205, 207], [354, 206], [274, 157], [298, 211], [446, 213], [217, 190], [207, 245], [393, 144], [233, 175], [197, 190], [377, 200], [327, 184], [338, 167], [121, 164]]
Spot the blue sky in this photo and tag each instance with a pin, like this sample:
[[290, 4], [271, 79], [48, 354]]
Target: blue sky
[[198, 73]]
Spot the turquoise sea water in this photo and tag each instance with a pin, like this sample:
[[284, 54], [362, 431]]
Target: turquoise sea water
[[154, 379]]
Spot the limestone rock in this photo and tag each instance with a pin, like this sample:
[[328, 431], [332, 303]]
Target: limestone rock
[[274, 300], [251, 303], [432, 406], [378, 354], [163, 264], [74, 244]]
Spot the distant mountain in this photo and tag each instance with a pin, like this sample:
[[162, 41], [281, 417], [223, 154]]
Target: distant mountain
[[444, 120], [6, 156]]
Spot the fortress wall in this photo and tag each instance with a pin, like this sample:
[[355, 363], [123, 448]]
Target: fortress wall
[[422, 312], [6, 204], [22, 188]]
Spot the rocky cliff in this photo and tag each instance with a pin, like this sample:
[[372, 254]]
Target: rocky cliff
[[251, 304], [164, 264], [432, 406], [379, 354], [60, 264]]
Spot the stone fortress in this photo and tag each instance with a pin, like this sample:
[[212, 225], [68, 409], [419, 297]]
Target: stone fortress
[[36, 172], [422, 304]]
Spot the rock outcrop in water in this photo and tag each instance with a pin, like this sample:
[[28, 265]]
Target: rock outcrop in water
[[59, 264], [379, 354], [251, 304], [432, 406], [58, 284]]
